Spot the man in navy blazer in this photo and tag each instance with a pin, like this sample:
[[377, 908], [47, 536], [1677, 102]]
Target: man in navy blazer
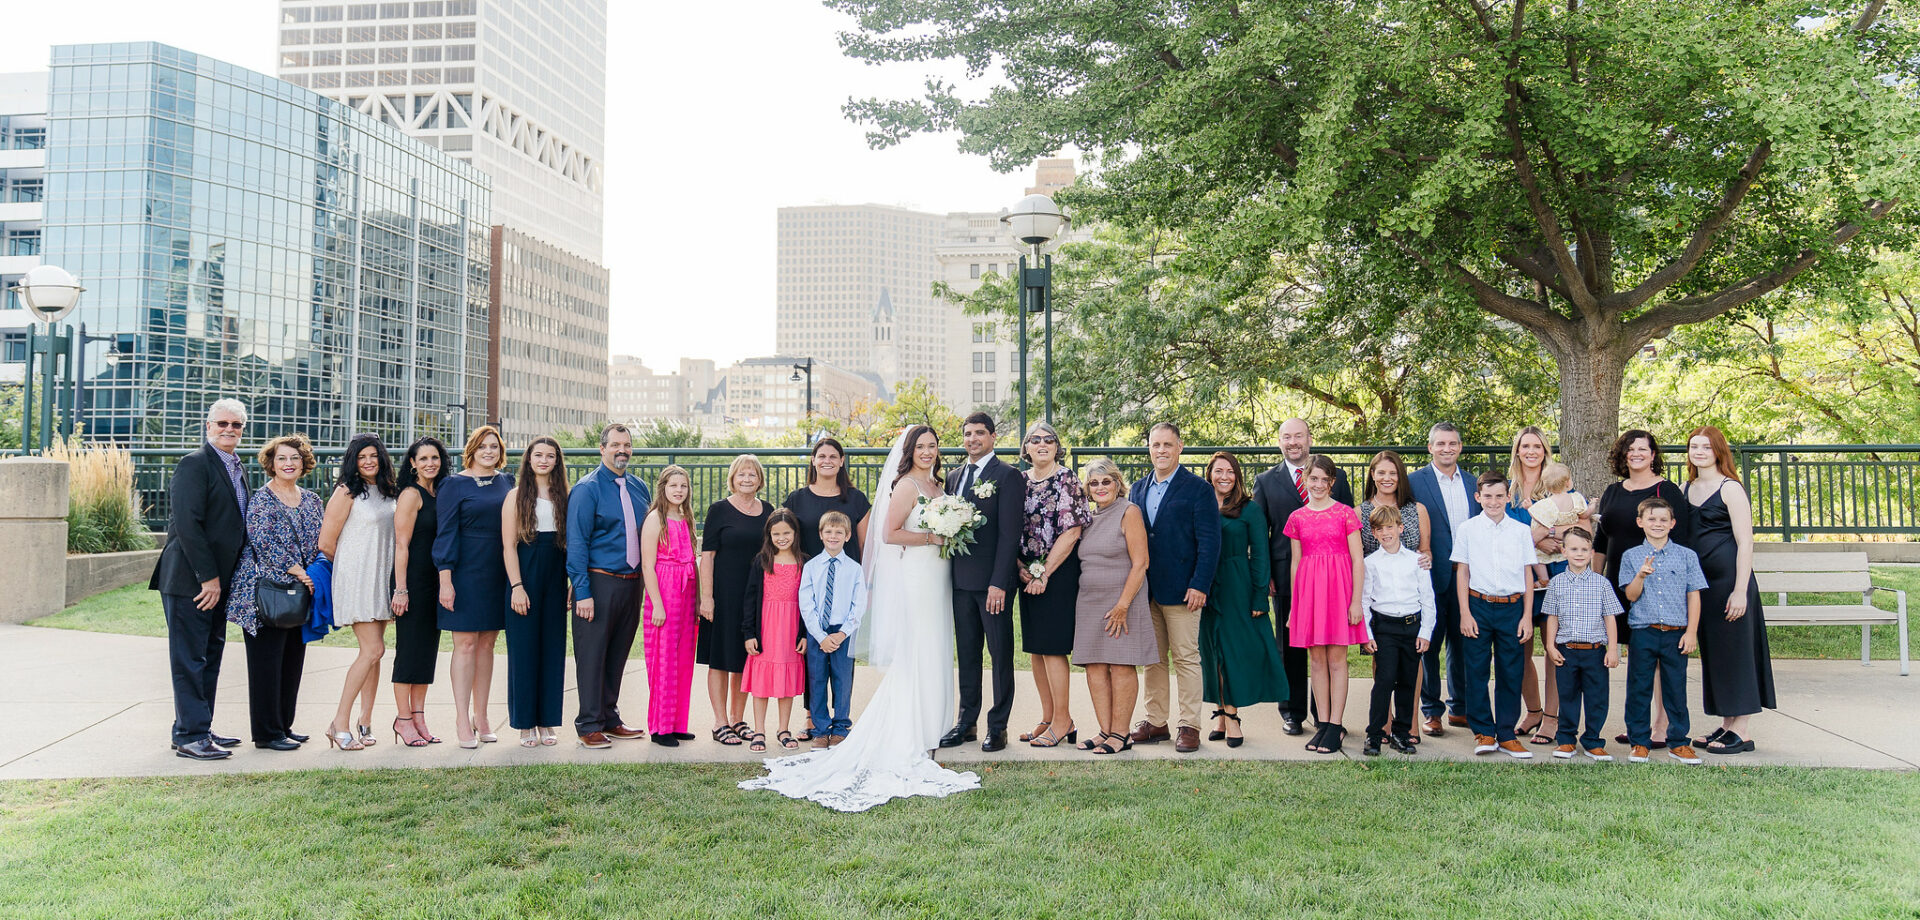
[[1446, 491], [206, 533], [1183, 549]]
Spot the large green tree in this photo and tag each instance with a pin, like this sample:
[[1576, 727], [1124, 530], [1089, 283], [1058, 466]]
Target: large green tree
[[1596, 172]]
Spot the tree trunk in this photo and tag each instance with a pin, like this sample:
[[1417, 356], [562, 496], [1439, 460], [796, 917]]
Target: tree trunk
[[1591, 376]]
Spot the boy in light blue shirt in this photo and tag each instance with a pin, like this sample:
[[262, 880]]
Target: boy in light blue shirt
[[1662, 581], [832, 601]]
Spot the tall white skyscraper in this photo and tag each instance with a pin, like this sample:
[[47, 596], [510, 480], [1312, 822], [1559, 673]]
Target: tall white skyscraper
[[855, 289], [518, 88]]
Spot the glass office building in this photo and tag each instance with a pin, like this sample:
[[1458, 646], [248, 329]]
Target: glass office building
[[241, 236]]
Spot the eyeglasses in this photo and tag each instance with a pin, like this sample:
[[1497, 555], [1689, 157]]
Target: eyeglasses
[[1043, 439], [226, 423]]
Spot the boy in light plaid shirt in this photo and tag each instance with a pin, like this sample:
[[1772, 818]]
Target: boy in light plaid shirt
[[1580, 610]]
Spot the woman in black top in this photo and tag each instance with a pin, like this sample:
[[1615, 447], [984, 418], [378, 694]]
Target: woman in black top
[[416, 586], [828, 488], [729, 540], [1616, 518]]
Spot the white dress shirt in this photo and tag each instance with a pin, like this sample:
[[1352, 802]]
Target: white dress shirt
[[1497, 554], [1454, 493], [979, 471], [1396, 585]]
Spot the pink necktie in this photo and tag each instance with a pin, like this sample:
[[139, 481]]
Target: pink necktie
[[633, 532]]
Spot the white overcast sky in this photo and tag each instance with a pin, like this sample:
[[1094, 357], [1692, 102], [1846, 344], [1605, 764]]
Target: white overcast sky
[[716, 116]]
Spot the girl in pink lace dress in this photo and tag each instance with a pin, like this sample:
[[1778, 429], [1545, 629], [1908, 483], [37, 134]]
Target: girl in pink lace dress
[[668, 623], [776, 646], [1326, 615]]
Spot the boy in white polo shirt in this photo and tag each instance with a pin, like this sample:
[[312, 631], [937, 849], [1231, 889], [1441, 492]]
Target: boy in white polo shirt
[[1492, 554], [1396, 597]]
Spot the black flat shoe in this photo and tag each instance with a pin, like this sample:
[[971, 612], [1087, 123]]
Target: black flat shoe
[[683, 736], [1402, 743], [1290, 725], [1730, 743], [996, 741], [298, 738], [670, 740], [1372, 747], [225, 741], [204, 749]]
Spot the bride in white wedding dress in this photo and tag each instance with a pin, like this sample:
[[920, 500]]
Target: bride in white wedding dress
[[908, 635]]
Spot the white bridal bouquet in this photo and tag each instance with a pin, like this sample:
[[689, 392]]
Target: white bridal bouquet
[[953, 518]]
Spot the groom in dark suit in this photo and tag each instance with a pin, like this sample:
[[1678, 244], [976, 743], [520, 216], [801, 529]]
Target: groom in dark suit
[[982, 581], [1280, 492]]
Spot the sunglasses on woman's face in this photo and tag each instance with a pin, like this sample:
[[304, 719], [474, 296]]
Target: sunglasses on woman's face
[[1043, 439], [1099, 483]]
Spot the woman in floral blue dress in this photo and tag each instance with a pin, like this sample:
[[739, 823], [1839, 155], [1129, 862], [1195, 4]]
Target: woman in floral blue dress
[[1050, 575]]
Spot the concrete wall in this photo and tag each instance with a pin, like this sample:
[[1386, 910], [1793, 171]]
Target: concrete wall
[[93, 574], [33, 530]]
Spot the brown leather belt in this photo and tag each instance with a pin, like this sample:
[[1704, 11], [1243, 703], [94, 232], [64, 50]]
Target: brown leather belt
[[1491, 599], [1583, 645], [1665, 628], [623, 576]]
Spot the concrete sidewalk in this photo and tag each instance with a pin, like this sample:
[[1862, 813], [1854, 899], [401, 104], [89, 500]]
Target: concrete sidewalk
[[92, 704]]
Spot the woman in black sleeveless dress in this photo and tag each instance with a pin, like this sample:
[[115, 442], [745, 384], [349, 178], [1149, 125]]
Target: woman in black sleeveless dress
[[1736, 669], [416, 599]]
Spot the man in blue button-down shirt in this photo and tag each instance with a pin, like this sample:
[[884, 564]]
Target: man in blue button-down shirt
[[1663, 581], [604, 512]]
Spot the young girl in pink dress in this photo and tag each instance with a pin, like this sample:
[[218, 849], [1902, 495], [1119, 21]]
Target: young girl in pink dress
[[776, 666], [668, 623], [1326, 615]]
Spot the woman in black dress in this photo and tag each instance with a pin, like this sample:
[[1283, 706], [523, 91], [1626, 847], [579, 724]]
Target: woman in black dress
[[416, 592], [1057, 514], [1736, 670], [1616, 518], [828, 488], [729, 540]]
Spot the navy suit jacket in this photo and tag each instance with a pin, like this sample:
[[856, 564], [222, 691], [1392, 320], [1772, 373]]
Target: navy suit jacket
[[1426, 490], [1183, 539]]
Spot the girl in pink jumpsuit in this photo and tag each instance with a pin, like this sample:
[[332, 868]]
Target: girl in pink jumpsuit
[[667, 620]]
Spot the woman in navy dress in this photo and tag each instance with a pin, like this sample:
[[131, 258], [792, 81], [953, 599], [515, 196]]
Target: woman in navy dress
[[473, 577]]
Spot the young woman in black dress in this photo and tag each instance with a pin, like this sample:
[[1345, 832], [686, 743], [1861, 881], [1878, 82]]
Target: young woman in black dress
[[729, 541], [1736, 669], [828, 488], [416, 592]]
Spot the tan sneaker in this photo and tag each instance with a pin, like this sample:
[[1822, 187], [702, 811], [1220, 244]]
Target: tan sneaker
[[1515, 749], [1600, 754], [1685, 754], [1565, 751], [1484, 744], [819, 742], [1638, 754]]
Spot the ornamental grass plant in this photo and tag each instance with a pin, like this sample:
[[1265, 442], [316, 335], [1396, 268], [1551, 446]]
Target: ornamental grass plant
[[102, 514]]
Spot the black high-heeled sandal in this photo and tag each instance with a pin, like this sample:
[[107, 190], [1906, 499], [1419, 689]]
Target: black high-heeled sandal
[[1319, 737], [1530, 729], [1233, 742], [1106, 743], [1335, 734]]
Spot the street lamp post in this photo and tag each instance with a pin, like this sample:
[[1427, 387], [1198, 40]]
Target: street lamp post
[[461, 425], [806, 368], [1035, 221], [51, 293], [76, 417]]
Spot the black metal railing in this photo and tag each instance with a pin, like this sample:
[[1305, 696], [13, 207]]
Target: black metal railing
[[1797, 490]]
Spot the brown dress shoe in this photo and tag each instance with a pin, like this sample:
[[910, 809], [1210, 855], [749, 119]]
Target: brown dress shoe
[[1189, 740], [595, 740], [1148, 733], [834, 740], [623, 733], [820, 742], [1434, 727], [1457, 721]]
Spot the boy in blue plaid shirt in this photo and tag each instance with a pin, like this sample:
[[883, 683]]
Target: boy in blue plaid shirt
[[1663, 581], [1581, 642]]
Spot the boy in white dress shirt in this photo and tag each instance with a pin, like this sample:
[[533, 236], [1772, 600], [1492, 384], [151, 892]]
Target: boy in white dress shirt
[[1398, 599], [1494, 555]]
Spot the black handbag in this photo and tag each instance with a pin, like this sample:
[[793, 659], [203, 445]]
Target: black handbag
[[282, 600], [282, 604]]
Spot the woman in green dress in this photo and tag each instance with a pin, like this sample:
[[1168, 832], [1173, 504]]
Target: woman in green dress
[[1239, 663]]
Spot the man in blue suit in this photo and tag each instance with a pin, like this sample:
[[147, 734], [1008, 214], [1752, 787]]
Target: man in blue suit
[[1446, 491], [1183, 549]]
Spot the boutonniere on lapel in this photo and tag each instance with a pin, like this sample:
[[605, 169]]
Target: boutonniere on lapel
[[983, 489]]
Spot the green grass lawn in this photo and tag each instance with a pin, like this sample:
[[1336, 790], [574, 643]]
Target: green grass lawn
[[135, 611], [1203, 840]]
